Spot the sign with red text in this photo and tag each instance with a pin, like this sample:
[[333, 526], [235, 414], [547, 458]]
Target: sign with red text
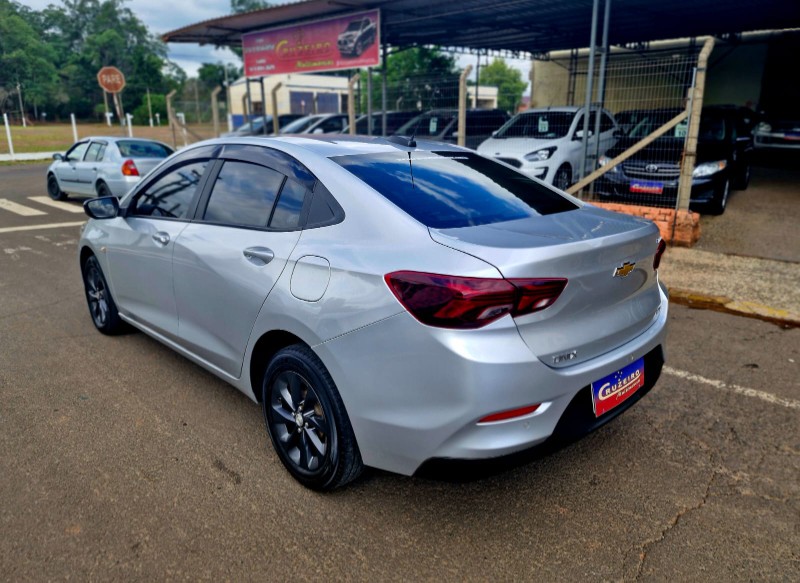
[[344, 42], [111, 79]]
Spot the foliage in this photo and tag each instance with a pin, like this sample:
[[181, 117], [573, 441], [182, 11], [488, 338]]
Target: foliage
[[213, 75], [416, 78], [141, 116], [508, 81]]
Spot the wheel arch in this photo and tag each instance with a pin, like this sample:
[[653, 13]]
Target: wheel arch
[[85, 253], [264, 349]]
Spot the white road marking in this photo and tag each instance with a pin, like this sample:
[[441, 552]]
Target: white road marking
[[764, 396], [64, 206], [19, 209], [37, 227]]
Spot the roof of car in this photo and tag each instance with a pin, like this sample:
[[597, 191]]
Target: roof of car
[[118, 138]]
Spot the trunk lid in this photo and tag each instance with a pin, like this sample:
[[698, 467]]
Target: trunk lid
[[598, 311], [145, 165]]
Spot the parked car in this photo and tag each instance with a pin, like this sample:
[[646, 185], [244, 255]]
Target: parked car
[[103, 166], [724, 147], [358, 35], [394, 121], [255, 127], [322, 123], [442, 125], [548, 143], [387, 302], [778, 133]]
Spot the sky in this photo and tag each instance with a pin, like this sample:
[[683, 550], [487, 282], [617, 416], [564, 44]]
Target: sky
[[163, 16]]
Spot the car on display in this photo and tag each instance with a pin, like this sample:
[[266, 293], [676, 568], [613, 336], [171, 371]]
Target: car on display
[[442, 125], [103, 166], [651, 176], [388, 302], [255, 127], [394, 121], [359, 35], [777, 133], [322, 123], [548, 143]]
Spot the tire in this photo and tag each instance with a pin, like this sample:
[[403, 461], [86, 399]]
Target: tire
[[53, 189], [742, 179], [314, 440], [563, 177], [103, 189], [102, 308], [719, 203]]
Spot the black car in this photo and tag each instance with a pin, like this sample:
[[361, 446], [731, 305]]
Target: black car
[[255, 127], [358, 35], [724, 147], [442, 125], [394, 120]]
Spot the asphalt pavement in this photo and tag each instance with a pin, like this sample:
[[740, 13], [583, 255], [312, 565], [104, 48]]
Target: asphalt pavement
[[120, 460]]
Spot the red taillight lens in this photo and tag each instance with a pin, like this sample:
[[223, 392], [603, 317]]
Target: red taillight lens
[[662, 246], [449, 301], [129, 168], [511, 414]]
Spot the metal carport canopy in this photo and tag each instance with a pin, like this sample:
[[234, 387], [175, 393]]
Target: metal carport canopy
[[530, 26]]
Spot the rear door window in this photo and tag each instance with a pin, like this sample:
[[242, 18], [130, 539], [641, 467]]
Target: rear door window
[[93, 152], [450, 189], [243, 194]]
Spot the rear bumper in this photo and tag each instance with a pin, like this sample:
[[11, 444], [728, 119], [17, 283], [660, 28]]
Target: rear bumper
[[423, 397], [776, 140]]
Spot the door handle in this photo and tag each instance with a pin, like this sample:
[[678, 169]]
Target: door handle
[[161, 238], [259, 255]]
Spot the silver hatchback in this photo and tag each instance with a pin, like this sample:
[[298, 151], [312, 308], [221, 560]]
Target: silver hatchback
[[387, 302], [103, 166]]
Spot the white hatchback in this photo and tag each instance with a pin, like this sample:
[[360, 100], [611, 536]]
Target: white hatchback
[[548, 143]]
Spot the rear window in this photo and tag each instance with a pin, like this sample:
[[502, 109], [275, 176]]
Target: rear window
[[450, 189], [142, 149]]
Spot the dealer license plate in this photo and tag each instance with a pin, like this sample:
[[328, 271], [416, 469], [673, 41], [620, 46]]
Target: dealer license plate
[[647, 187], [617, 387]]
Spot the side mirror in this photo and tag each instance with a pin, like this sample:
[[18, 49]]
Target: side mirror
[[579, 135], [318, 131], [494, 133], [105, 207], [58, 157]]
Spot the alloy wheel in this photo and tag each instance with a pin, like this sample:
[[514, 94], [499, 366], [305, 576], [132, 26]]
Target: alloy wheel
[[97, 295]]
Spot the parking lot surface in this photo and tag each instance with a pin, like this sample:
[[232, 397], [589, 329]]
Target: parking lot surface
[[120, 460]]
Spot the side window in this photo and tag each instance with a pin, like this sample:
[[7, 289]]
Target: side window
[[94, 149], [170, 195], [243, 194], [102, 153], [579, 125], [78, 150], [334, 124], [289, 207], [605, 123]]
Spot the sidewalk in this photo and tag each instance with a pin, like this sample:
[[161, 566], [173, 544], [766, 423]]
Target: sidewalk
[[759, 288], [28, 156]]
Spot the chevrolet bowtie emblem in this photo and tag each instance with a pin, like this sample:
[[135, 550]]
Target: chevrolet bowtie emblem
[[624, 269]]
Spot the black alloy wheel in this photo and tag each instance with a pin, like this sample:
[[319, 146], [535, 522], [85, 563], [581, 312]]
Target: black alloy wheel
[[720, 201], [102, 308], [563, 178], [53, 190], [307, 422]]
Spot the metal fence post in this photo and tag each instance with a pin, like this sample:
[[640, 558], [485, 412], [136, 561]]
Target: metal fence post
[[601, 90], [276, 126], [171, 117], [129, 120], [589, 88], [690, 149], [263, 106], [74, 127], [462, 106], [351, 104], [215, 109], [8, 136]]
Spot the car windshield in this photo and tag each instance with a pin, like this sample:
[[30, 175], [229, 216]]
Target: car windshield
[[299, 125], [645, 123], [428, 124], [143, 149], [712, 128], [540, 125], [255, 124], [353, 26], [451, 189]]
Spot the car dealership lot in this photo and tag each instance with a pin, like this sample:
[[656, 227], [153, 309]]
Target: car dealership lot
[[120, 459]]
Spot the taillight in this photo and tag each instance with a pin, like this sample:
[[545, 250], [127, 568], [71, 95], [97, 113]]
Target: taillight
[[449, 301], [129, 168], [662, 246]]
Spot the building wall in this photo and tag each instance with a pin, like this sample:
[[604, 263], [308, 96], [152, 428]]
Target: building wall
[[312, 93], [734, 75]]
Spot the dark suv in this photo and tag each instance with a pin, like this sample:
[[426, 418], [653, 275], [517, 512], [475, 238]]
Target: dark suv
[[442, 125], [724, 147]]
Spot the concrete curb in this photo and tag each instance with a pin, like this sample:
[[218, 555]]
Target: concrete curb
[[692, 299]]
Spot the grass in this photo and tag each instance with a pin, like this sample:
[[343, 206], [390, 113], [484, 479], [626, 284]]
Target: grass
[[57, 137]]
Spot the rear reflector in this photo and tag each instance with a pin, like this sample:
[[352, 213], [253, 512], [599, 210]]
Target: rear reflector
[[510, 414], [662, 246], [129, 168], [449, 301]]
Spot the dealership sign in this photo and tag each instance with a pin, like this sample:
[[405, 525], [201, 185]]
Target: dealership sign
[[345, 42]]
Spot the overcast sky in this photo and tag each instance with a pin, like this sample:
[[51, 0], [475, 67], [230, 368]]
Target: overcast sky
[[161, 16]]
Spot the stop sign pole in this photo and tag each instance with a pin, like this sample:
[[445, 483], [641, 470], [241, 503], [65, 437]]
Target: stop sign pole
[[111, 80]]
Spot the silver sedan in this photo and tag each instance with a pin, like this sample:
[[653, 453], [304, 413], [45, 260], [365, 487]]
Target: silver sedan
[[388, 303], [103, 166]]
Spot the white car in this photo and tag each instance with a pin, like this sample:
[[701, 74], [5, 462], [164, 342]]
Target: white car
[[548, 143], [321, 123]]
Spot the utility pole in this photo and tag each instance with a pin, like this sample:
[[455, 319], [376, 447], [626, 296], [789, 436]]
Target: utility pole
[[197, 100], [21, 108]]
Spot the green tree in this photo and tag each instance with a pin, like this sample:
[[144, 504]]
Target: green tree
[[508, 81], [212, 75]]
